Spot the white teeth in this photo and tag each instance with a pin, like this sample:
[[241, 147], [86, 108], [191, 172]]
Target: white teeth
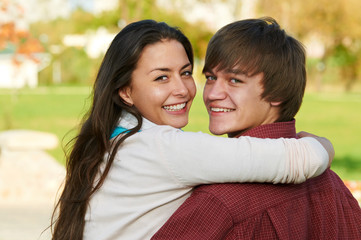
[[221, 110], [175, 107]]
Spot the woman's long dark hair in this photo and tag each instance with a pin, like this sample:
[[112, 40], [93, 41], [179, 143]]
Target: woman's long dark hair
[[93, 141]]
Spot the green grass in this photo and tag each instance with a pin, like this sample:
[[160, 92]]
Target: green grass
[[59, 110], [336, 116], [55, 110]]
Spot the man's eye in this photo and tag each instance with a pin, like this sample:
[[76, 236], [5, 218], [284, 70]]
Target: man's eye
[[211, 78], [235, 80]]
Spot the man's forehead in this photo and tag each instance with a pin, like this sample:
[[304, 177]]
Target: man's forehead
[[237, 70]]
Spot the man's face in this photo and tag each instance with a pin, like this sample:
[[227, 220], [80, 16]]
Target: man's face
[[234, 104]]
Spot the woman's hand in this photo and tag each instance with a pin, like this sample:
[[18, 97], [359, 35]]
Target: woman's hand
[[325, 143]]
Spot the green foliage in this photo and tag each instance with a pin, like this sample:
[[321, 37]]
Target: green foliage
[[76, 67], [335, 23], [79, 22], [199, 37], [80, 69], [197, 33], [343, 56]]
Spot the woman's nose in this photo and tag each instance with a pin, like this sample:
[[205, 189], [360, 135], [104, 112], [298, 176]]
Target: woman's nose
[[180, 88]]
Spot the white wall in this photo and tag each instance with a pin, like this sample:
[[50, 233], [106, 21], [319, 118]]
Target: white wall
[[17, 75]]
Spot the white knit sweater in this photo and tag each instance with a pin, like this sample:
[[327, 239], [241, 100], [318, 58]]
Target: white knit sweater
[[155, 170]]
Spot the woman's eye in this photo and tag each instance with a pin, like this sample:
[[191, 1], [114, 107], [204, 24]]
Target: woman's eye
[[161, 78], [187, 73]]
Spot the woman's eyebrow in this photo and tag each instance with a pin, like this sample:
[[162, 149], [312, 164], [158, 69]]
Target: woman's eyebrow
[[186, 65], [165, 69], [160, 69]]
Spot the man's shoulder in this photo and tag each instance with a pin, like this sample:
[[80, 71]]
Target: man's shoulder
[[265, 195], [230, 188], [327, 180], [234, 195], [225, 190], [335, 182]]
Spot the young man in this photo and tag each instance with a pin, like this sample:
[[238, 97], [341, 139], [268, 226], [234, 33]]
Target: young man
[[255, 84]]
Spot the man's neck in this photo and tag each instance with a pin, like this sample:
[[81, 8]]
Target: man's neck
[[273, 130]]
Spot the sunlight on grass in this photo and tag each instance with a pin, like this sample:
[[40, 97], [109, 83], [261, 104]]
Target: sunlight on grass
[[336, 117]]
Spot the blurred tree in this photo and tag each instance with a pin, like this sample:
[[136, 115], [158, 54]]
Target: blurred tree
[[79, 71], [81, 22], [335, 23], [16, 39], [134, 10], [82, 69]]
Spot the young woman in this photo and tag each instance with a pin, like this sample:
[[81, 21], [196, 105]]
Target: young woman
[[131, 166]]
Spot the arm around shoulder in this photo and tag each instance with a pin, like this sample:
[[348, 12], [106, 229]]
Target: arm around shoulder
[[308, 158], [198, 158]]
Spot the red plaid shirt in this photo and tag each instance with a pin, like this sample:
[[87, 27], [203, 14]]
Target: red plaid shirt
[[320, 208]]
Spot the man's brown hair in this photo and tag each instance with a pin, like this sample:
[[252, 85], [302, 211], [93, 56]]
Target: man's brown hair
[[261, 46]]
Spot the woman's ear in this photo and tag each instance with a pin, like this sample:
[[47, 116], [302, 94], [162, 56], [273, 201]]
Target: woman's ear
[[125, 95]]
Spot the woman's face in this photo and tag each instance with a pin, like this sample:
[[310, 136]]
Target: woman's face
[[162, 86]]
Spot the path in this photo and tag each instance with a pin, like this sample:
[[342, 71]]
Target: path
[[24, 221], [29, 180]]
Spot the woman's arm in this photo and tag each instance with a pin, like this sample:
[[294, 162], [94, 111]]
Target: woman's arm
[[325, 143], [198, 158]]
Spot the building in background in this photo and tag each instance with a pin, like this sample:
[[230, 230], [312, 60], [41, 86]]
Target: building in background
[[95, 43], [23, 72], [21, 55]]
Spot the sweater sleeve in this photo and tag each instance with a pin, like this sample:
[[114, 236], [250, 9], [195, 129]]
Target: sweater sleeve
[[306, 159], [199, 158]]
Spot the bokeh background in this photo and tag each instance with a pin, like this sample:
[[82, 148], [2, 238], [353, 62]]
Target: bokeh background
[[50, 51]]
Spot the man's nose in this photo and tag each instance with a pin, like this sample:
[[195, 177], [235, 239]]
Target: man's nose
[[217, 91]]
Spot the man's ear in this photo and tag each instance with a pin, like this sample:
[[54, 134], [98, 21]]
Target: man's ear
[[275, 104], [125, 95]]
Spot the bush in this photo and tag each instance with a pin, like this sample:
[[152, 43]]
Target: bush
[[76, 68]]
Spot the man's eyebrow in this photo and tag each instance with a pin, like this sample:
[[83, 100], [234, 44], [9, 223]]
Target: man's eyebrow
[[168, 69], [207, 71], [236, 71]]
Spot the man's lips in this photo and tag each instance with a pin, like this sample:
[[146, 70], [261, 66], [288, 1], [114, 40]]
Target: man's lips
[[221, 109]]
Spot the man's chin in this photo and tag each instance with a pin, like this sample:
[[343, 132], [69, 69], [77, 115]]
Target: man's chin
[[217, 132]]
